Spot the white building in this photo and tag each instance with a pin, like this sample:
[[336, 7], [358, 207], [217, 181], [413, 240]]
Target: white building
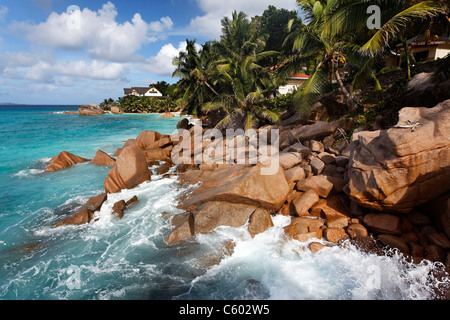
[[292, 82], [151, 91]]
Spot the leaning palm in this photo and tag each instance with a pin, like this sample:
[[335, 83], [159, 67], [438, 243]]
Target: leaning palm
[[193, 69], [396, 17], [310, 42], [245, 85]]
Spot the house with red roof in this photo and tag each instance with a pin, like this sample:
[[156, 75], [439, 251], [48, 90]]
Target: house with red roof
[[292, 82]]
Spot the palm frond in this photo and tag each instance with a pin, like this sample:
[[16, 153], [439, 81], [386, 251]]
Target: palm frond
[[307, 94], [399, 22]]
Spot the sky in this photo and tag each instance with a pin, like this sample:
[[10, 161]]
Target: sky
[[77, 51]]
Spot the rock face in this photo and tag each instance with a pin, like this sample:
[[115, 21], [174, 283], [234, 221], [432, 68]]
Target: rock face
[[95, 203], [116, 110], [320, 129], [79, 218], [103, 159], [168, 115], [422, 91], [146, 138], [129, 171], [398, 169], [229, 196], [90, 110], [64, 160], [240, 184]]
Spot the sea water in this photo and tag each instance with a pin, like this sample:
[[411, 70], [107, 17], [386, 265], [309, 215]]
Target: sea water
[[128, 258]]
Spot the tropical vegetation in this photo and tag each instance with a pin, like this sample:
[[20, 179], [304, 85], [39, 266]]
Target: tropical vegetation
[[235, 79]]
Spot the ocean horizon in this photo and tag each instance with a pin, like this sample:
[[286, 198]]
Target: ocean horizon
[[129, 259]]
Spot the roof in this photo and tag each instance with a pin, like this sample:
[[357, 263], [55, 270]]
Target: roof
[[420, 40], [139, 90], [299, 75]]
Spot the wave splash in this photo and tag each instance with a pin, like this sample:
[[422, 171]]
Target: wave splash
[[128, 259]]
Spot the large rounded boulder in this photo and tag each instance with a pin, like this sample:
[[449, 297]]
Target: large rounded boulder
[[129, 171]]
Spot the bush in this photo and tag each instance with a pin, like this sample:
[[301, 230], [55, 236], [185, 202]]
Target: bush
[[134, 104]]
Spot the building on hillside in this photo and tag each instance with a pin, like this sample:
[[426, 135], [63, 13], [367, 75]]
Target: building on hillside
[[422, 50], [150, 91], [292, 82]]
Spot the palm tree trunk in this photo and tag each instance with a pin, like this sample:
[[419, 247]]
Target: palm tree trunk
[[350, 100], [408, 59], [209, 86]]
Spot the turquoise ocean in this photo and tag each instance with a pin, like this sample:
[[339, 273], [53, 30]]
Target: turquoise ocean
[[128, 258]]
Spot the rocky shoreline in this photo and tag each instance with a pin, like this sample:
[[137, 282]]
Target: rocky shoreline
[[385, 189]]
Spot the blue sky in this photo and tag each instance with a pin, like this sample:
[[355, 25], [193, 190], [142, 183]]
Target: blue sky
[[50, 54]]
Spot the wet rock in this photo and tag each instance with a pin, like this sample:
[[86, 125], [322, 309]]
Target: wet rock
[[332, 207], [383, 223], [305, 236], [434, 253], [338, 222], [79, 218], [394, 242], [103, 159], [146, 138], [184, 229], [129, 171], [260, 221], [95, 203], [357, 230], [316, 247], [184, 124], [64, 160], [439, 239], [119, 208], [156, 155], [131, 201], [335, 234], [305, 201], [90, 110], [238, 184]]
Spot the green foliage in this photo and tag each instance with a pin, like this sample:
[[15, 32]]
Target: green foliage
[[134, 104], [107, 104]]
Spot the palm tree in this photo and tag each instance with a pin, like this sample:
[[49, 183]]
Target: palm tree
[[396, 16], [246, 102], [310, 42], [245, 85], [193, 68]]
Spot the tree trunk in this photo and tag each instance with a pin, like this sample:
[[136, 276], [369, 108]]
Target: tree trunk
[[209, 86], [350, 100], [407, 57]]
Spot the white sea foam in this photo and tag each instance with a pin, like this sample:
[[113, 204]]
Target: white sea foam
[[270, 266], [127, 258], [28, 172]]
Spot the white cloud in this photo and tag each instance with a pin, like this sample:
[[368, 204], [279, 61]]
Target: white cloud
[[3, 12], [96, 32], [161, 64], [209, 25], [44, 68], [95, 70]]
